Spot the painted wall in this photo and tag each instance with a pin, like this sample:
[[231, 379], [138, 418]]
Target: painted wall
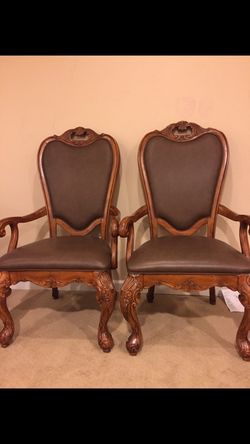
[[126, 97]]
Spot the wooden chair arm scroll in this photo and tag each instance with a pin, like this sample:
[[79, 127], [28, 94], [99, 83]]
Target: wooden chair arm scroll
[[13, 224], [244, 221], [115, 219], [126, 228]]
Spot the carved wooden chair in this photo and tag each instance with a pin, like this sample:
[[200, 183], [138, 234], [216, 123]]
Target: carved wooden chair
[[78, 171], [182, 169]]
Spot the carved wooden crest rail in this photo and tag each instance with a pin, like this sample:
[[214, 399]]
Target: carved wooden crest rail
[[58, 276]]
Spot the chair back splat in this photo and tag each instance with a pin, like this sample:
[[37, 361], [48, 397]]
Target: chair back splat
[[182, 169], [78, 171]]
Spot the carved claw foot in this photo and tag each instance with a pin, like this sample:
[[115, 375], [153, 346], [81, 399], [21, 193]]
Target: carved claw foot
[[6, 335], [105, 341], [130, 295], [242, 342], [134, 344], [7, 332], [151, 295], [243, 348], [106, 297]]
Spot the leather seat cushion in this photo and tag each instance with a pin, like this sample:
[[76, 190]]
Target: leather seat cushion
[[186, 254], [65, 252]]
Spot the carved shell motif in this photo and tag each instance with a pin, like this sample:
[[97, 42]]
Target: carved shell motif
[[182, 131], [79, 136]]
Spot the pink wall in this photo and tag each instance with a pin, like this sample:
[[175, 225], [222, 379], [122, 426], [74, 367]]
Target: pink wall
[[126, 97]]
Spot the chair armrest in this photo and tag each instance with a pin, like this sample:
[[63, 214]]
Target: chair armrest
[[244, 221], [115, 218], [127, 222], [114, 211], [229, 214], [13, 224], [126, 228]]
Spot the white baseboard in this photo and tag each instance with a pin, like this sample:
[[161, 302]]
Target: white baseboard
[[118, 283]]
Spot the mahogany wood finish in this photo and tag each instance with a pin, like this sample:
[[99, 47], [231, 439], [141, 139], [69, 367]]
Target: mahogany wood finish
[[135, 283], [126, 228], [13, 222], [244, 226], [101, 280], [115, 219]]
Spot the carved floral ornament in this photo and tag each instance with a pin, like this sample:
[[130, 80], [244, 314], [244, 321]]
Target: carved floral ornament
[[79, 136], [182, 131]]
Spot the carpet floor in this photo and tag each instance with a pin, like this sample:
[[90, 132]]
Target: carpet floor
[[187, 343]]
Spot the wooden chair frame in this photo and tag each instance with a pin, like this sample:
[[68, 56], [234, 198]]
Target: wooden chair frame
[[102, 281], [135, 283]]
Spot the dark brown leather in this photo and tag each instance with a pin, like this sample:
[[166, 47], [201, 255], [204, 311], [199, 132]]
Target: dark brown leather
[[65, 252], [186, 254], [77, 180], [182, 177]]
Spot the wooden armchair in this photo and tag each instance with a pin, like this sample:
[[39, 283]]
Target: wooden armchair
[[182, 169], [78, 171]]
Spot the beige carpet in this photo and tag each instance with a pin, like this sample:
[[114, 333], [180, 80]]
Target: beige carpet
[[187, 343]]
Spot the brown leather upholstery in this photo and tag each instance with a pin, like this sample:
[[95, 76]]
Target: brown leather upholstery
[[182, 169], [77, 180], [65, 252], [182, 177], [185, 254]]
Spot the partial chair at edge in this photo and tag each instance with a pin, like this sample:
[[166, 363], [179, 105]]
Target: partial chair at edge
[[78, 171], [182, 169]]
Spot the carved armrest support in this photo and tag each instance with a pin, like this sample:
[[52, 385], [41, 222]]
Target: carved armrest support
[[115, 218], [126, 228], [114, 211], [13, 222], [127, 222], [244, 221]]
